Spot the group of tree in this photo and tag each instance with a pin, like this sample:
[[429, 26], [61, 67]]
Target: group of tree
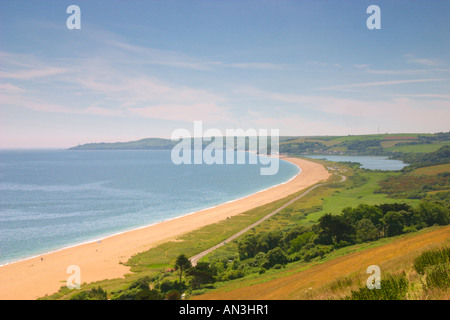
[[428, 139], [442, 155], [258, 252], [361, 145], [371, 222], [305, 147]]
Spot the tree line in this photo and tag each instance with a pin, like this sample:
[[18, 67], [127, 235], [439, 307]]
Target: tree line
[[259, 252]]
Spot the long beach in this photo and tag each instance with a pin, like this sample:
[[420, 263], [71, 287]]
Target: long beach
[[35, 277]]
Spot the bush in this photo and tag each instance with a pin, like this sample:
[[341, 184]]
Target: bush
[[392, 288], [201, 274], [433, 213], [395, 222], [173, 295], [166, 285], [366, 230], [431, 258], [300, 241], [409, 229], [274, 257], [94, 294], [438, 277], [139, 290]]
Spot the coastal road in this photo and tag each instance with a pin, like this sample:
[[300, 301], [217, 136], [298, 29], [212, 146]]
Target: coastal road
[[197, 257]]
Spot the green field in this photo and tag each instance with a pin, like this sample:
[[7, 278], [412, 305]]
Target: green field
[[359, 188], [375, 144], [418, 148]]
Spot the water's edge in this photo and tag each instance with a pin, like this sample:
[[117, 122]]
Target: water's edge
[[108, 235]]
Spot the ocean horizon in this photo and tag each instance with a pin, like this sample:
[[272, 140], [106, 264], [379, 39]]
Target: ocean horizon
[[54, 199]]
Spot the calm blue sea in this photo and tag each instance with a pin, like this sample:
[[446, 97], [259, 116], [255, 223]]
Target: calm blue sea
[[51, 199]]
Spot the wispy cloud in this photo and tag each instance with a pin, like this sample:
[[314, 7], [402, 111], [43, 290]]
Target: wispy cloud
[[145, 55], [175, 59], [379, 83], [8, 87], [423, 66], [102, 89], [33, 73], [395, 107], [410, 58], [427, 95]]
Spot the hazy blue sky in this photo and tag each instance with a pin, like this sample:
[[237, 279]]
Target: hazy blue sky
[[140, 69]]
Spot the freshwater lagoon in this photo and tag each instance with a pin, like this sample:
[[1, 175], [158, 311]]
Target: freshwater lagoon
[[367, 162]]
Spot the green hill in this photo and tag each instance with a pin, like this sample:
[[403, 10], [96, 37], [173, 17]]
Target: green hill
[[144, 144], [379, 144]]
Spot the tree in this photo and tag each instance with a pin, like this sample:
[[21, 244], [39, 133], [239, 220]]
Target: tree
[[366, 230], [363, 211], [301, 241], [394, 222], [273, 257], [263, 242], [201, 274], [334, 229], [433, 213], [182, 264]]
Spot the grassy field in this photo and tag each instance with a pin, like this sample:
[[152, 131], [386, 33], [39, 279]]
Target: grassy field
[[330, 198], [419, 148], [353, 196], [344, 270], [432, 170], [374, 144]]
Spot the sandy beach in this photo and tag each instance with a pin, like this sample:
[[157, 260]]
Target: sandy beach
[[45, 274]]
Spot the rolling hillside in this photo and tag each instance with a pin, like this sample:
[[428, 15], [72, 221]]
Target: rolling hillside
[[381, 144], [336, 278]]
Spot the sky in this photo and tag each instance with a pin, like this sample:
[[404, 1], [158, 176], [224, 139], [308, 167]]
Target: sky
[[139, 69]]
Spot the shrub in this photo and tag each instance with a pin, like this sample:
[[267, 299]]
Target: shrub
[[173, 295], [391, 288], [366, 230], [139, 290], [395, 222], [94, 294], [438, 276], [274, 257], [200, 275], [300, 241], [166, 285], [431, 258]]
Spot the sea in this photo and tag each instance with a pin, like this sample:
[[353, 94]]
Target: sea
[[54, 199]]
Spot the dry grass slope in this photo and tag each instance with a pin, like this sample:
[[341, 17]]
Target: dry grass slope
[[319, 281]]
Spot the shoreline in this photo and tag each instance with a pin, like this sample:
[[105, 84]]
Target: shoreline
[[101, 238], [102, 258]]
